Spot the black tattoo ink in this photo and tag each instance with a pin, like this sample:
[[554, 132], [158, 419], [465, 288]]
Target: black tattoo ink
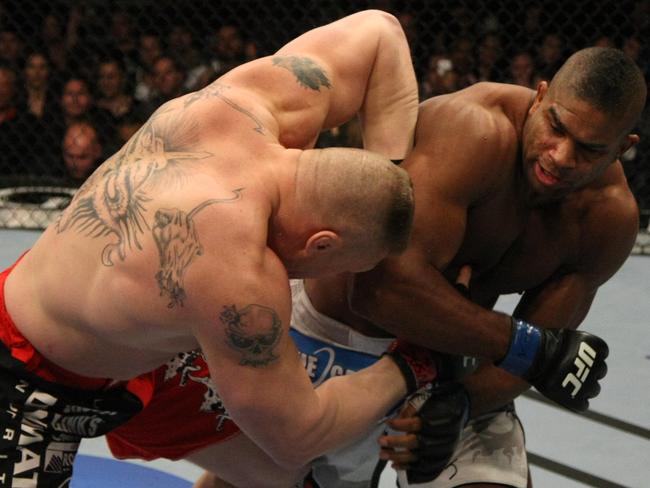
[[308, 73], [253, 331], [112, 202], [217, 90], [178, 244]]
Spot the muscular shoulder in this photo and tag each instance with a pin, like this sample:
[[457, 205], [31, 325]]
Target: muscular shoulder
[[485, 115], [475, 132], [609, 222]]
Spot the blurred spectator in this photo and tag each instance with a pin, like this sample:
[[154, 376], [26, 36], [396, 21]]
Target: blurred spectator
[[521, 70], [11, 48], [227, 50], [168, 80], [24, 142], [44, 126], [462, 59], [112, 93], [440, 77], [182, 47], [52, 41], [489, 58], [129, 125], [77, 105], [149, 49], [81, 151], [550, 55], [122, 36], [40, 95]]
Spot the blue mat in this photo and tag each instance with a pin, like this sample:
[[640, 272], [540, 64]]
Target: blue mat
[[96, 472]]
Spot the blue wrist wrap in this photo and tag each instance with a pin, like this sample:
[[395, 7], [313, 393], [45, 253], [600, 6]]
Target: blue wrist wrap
[[524, 344]]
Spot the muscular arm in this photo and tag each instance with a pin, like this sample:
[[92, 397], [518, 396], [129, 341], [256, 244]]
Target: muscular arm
[[243, 331], [565, 300], [367, 59], [408, 295]]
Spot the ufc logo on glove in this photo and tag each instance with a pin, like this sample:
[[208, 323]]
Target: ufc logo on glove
[[584, 362]]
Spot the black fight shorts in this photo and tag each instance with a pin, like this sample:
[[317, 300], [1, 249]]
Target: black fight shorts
[[42, 423]]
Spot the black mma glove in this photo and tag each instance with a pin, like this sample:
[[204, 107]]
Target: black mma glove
[[417, 364], [563, 364], [444, 415]]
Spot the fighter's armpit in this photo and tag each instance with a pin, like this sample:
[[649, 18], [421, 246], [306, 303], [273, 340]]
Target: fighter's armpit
[[307, 72], [254, 331]]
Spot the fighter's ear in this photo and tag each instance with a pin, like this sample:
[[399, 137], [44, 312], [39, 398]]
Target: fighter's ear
[[542, 89], [324, 241], [628, 141]]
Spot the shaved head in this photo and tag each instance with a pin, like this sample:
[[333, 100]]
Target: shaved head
[[607, 79], [357, 192]]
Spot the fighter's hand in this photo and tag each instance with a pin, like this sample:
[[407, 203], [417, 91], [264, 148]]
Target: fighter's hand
[[430, 438], [563, 364], [400, 449]]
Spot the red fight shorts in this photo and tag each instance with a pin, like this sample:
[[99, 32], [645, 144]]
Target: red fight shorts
[[184, 415]]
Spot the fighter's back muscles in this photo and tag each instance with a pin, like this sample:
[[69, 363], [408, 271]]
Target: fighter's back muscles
[[466, 171]]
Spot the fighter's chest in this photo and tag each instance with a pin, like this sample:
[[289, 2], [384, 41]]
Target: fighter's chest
[[517, 249]]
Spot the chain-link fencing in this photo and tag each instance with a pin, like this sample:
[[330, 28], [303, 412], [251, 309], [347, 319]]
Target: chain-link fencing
[[78, 78]]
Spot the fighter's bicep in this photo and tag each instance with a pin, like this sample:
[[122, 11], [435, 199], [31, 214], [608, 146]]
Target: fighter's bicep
[[347, 62], [440, 214]]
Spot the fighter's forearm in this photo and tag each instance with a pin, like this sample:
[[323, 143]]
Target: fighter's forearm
[[389, 113], [342, 409], [428, 311], [491, 387]]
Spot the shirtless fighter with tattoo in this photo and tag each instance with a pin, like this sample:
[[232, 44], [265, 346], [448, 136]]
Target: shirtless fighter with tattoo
[[185, 239]]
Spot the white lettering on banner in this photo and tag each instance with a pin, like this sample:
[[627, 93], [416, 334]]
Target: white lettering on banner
[[311, 365], [31, 432], [326, 355], [22, 386], [13, 411], [86, 426], [59, 456], [584, 362], [29, 460], [25, 482]]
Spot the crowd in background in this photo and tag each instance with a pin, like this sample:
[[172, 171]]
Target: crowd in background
[[77, 80]]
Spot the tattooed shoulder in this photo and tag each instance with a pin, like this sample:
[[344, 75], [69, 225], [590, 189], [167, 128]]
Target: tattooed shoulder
[[254, 331], [219, 90], [307, 72], [178, 243]]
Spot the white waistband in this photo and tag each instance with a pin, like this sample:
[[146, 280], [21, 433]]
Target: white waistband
[[306, 319]]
